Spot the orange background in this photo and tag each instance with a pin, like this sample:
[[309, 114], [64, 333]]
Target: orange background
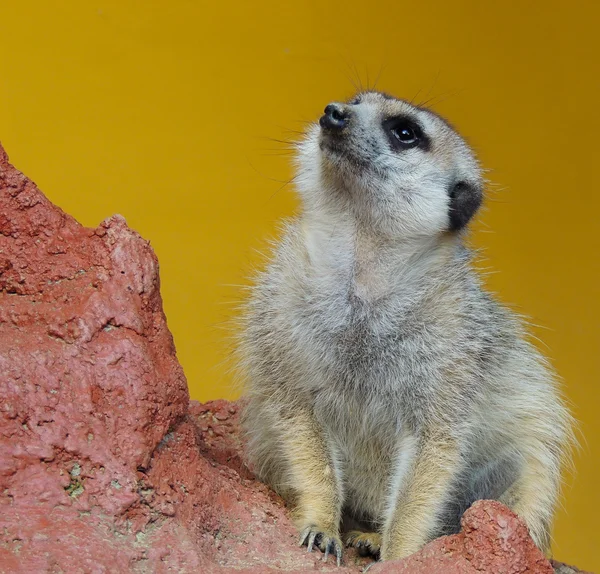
[[162, 111]]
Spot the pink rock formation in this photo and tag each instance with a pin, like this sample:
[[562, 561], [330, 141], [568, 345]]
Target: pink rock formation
[[492, 539], [104, 464]]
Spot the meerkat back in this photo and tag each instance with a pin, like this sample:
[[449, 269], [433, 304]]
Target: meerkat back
[[383, 384]]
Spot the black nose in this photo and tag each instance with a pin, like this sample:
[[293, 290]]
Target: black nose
[[336, 117]]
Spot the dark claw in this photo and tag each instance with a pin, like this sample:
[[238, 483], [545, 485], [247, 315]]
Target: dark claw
[[312, 537], [304, 536], [333, 547], [363, 549], [366, 544]]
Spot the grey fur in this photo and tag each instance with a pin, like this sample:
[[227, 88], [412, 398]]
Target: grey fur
[[371, 317]]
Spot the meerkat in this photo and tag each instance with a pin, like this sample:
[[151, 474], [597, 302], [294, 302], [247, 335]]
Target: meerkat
[[383, 384]]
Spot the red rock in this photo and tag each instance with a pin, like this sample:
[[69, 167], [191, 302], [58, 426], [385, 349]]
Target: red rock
[[89, 380], [492, 539], [104, 465]]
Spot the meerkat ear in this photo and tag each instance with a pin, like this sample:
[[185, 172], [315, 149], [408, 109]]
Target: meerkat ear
[[465, 199]]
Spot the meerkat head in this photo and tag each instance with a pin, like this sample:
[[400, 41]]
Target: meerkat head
[[397, 168]]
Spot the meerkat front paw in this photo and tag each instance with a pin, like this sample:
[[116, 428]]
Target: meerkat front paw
[[366, 543], [327, 542]]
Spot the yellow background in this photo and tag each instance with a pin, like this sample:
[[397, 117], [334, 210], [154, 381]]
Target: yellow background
[[162, 111]]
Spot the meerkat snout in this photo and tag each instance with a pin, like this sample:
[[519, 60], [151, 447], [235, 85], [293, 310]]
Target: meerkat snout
[[335, 118]]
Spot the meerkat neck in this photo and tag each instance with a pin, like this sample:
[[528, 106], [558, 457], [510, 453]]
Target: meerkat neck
[[341, 250]]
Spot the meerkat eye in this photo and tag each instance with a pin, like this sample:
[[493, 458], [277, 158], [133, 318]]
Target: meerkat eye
[[403, 133]]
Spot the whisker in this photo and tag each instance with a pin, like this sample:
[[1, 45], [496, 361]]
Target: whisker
[[434, 82], [411, 102], [285, 184], [355, 68], [436, 100], [381, 69]]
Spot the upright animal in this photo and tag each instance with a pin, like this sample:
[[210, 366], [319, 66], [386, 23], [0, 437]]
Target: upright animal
[[385, 389]]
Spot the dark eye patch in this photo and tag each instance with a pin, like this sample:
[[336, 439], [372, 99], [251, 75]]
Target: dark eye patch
[[404, 133]]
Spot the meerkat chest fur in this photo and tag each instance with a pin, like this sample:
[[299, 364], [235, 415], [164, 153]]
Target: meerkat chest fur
[[364, 331], [368, 319]]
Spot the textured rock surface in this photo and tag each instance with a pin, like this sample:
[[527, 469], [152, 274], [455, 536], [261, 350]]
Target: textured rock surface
[[492, 539], [104, 464]]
